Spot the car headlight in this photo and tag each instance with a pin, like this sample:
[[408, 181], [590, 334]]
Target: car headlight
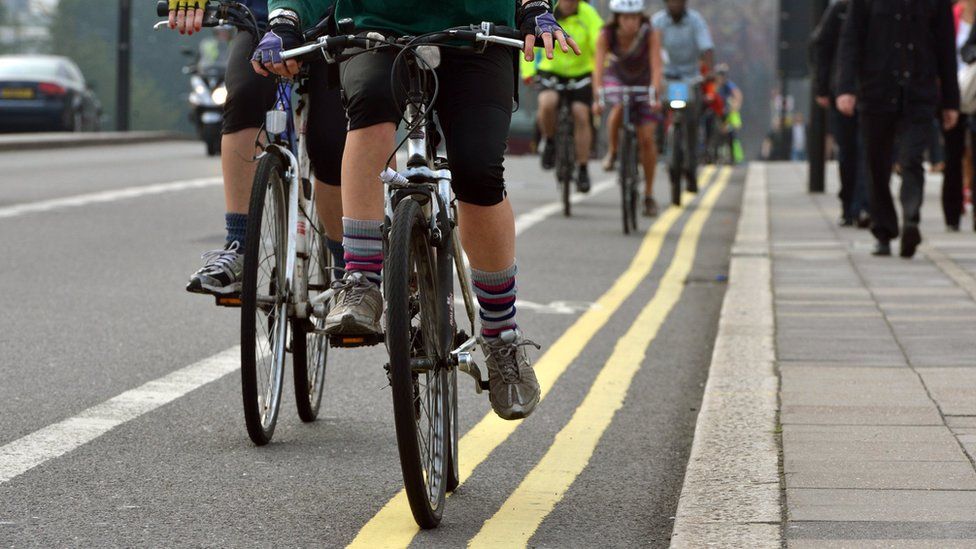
[[219, 95]]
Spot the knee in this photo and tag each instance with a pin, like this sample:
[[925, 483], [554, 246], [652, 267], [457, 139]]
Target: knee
[[581, 115], [477, 178]]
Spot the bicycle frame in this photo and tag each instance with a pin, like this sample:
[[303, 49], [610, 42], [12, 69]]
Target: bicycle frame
[[285, 126], [423, 177]]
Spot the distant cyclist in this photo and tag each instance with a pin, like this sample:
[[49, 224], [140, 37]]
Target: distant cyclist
[[629, 54], [690, 50], [732, 99], [583, 23], [249, 97]]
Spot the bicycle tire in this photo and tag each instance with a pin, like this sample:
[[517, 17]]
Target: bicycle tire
[[676, 168], [565, 156], [411, 295], [310, 350], [263, 366], [448, 330], [624, 178]]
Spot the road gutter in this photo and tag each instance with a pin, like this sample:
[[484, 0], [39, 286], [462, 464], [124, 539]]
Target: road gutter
[[731, 495]]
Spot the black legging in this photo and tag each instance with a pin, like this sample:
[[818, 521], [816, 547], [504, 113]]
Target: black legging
[[955, 148]]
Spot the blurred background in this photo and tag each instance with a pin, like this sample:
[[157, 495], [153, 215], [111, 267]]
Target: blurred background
[[87, 31]]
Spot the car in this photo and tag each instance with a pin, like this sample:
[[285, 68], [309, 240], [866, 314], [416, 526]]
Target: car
[[45, 93]]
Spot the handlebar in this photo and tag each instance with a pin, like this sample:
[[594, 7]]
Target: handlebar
[[216, 13], [486, 33]]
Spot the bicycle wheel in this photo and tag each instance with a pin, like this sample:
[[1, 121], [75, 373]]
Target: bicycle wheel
[[310, 350], [417, 378], [264, 325], [627, 160], [448, 330], [565, 157], [676, 166]]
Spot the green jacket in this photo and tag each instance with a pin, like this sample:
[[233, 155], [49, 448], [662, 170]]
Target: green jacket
[[407, 17], [584, 27]]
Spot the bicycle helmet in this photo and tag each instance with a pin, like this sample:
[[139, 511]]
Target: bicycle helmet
[[627, 6]]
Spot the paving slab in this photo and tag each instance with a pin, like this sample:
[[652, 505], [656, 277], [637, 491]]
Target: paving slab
[[881, 505], [948, 532], [954, 389], [856, 472]]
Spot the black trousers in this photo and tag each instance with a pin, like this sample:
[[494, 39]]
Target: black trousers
[[852, 161], [912, 127], [955, 148]]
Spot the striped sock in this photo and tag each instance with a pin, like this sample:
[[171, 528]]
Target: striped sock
[[236, 225], [496, 296], [363, 245]]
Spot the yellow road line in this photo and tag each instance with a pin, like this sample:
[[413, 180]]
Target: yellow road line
[[546, 484], [393, 525]]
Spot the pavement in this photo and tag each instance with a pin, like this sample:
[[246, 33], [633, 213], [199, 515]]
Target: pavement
[[120, 411], [872, 440]]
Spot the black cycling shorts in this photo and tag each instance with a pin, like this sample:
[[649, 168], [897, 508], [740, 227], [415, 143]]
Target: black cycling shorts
[[474, 108], [250, 96], [582, 95]]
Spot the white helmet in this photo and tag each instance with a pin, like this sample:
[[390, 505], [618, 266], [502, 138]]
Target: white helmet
[[627, 6]]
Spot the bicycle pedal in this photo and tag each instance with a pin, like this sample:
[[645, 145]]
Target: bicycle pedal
[[233, 300], [359, 340]]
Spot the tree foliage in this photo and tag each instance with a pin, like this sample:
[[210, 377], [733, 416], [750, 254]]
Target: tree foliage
[[87, 31]]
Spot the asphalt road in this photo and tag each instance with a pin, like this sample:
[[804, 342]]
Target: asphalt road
[[94, 307]]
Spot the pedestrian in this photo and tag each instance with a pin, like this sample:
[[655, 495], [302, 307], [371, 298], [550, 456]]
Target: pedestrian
[[897, 62], [851, 158], [964, 13], [799, 141]]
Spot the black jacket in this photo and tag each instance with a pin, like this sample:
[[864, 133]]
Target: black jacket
[[895, 51], [824, 49]]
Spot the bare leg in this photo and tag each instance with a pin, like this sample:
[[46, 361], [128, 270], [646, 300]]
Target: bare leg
[[488, 250], [613, 127], [648, 154], [328, 204], [583, 131], [367, 150], [236, 161], [548, 105]]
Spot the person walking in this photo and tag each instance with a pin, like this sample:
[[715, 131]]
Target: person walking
[[897, 61], [964, 13], [851, 158]]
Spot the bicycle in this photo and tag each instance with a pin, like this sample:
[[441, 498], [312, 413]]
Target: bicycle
[[285, 288], [683, 95], [631, 97], [565, 141], [422, 254]]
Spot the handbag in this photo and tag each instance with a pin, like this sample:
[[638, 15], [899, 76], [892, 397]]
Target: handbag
[[967, 89]]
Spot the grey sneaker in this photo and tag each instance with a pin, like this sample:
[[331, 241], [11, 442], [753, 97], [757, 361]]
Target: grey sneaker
[[513, 387], [358, 307], [221, 273]]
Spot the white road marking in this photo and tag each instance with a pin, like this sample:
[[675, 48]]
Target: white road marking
[[552, 308], [55, 440], [106, 196], [528, 219]]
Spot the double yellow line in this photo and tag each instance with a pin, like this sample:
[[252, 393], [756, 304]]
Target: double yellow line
[[520, 516]]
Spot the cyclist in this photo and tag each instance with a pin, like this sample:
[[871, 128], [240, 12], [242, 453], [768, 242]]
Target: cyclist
[[248, 99], [634, 51], [583, 23], [690, 52], [474, 108], [732, 98]]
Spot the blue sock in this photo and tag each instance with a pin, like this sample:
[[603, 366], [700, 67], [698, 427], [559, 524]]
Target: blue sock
[[338, 259], [236, 227]]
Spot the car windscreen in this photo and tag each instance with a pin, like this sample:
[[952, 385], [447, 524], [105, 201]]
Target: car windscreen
[[28, 68]]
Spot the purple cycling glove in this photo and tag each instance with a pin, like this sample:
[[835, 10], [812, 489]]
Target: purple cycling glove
[[536, 18], [280, 37]]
